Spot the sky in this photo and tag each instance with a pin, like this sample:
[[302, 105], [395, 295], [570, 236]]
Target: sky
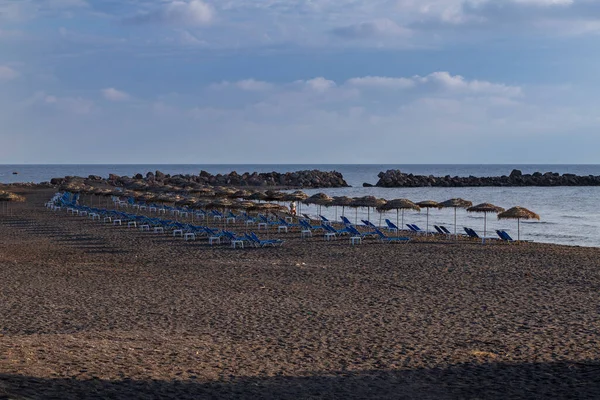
[[299, 81]]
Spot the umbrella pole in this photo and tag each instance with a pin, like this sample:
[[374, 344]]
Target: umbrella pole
[[356, 216], [427, 224], [518, 229], [455, 235], [484, 227], [397, 226], [402, 220]]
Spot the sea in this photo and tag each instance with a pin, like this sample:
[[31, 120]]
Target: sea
[[569, 215]]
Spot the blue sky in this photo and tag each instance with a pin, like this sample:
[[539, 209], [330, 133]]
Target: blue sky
[[291, 81]]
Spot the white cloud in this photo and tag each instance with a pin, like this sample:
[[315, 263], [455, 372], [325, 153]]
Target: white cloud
[[458, 84], [381, 82], [7, 73], [372, 29], [249, 85], [320, 84], [253, 85], [178, 12], [113, 94], [72, 105]]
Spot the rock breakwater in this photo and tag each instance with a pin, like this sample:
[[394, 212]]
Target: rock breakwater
[[298, 179], [396, 178]]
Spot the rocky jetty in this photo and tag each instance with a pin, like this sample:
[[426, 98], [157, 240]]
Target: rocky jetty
[[396, 178], [298, 179]]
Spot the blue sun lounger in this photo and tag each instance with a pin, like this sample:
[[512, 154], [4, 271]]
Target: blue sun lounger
[[415, 229], [346, 221], [504, 236], [471, 233], [384, 238], [353, 231], [391, 226], [263, 243]]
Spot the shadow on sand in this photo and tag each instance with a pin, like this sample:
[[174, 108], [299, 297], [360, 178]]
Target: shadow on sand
[[465, 381]]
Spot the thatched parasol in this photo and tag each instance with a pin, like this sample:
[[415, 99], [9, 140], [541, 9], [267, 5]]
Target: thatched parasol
[[219, 204], [203, 192], [456, 203], [272, 195], [399, 204], [9, 197], [428, 204], [241, 194], [319, 199], [260, 196], [224, 192], [518, 213], [485, 208], [297, 196], [368, 202], [342, 201], [244, 205]]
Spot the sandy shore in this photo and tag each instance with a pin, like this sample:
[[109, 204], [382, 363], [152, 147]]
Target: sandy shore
[[94, 311]]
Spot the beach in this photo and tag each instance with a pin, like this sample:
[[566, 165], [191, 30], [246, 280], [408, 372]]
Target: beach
[[91, 310]]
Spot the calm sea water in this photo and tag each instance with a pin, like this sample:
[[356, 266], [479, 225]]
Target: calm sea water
[[569, 214]]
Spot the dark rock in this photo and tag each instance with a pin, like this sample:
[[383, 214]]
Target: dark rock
[[395, 178], [367, 185]]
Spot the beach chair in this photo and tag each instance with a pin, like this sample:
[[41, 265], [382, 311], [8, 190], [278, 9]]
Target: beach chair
[[346, 221], [355, 232], [504, 236], [471, 233], [414, 228], [439, 230], [304, 223], [368, 224], [391, 227], [396, 239], [446, 231], [236, 241], [263, 243], [324, 220], [343, 231]]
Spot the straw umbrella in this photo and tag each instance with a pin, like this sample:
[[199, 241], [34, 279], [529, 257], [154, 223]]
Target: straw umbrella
[[220, 204], [224, 192], [368, 202], [319, 199], [273, 195], [485, 208], [9, 197], [428, 204], [240, 194], [518, 213], [456, 203], [342, 201], [259, 196], [399, 204], [297, 196]]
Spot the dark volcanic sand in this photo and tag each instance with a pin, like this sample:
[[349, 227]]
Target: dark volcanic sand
[[94, 311]]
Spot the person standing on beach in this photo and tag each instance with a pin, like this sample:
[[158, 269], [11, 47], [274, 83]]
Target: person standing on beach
[[293, 208]]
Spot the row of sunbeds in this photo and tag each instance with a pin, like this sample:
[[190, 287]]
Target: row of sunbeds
[[159, 225]]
